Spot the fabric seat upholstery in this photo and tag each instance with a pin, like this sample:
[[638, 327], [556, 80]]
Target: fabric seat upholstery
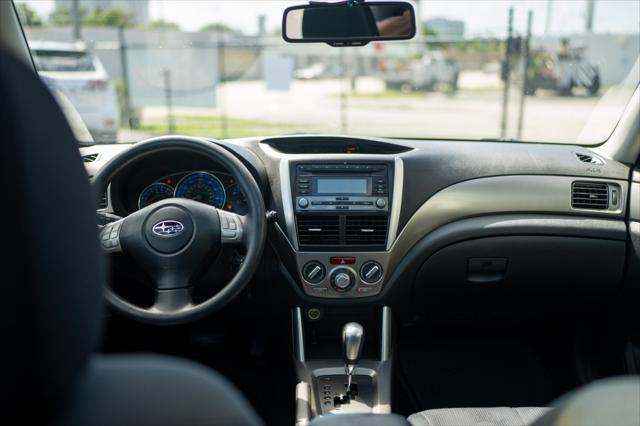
[[523, 416]]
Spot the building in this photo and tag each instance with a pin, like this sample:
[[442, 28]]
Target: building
[[139, 9], [446, 27]]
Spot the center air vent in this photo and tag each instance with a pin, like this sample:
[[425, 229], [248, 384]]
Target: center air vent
[[366, 230], [318, 230], [590, 195], [90, 158]]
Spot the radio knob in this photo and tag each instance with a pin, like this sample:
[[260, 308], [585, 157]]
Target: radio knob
[[342, 280], [303, 203], [381, 203]]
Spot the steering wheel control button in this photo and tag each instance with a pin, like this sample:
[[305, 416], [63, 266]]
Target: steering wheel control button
[[110, 236], [169, 229], [303, 203], [313, 272], [371, 272], [381, 203], [342, 280], [230, 227]]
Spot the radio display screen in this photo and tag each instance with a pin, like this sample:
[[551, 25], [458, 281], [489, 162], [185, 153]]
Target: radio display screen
[[342, 185]]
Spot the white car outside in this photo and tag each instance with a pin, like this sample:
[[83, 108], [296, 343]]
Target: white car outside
[[77, 72]]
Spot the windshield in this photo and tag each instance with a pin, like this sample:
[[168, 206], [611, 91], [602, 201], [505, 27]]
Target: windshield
[[538, 71]]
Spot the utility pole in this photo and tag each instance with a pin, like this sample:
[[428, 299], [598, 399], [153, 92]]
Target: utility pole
[[124, 64], [505, 76], [589, 16], [76, 20], [525, 69], [171, 124]]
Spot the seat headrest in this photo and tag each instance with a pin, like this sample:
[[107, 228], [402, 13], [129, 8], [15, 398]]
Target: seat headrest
[[52, 300]]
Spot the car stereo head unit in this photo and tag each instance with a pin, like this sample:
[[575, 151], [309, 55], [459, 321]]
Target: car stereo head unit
[[341, 187]]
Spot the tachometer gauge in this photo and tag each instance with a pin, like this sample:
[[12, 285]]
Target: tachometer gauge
[[153, 193], [203, 187], [235, 200]]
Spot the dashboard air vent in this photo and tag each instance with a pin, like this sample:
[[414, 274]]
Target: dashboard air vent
[[589, 159], [590, 195], [90, 158], [318, 230], [366, 230], [103, 201]]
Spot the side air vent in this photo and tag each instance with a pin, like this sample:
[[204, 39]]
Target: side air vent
[[90, 158], [318, 230], [589, 159], [366, 230], [590, 195], [103, 201]]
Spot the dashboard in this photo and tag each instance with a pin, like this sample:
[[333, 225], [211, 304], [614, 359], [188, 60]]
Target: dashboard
[[368, 220]]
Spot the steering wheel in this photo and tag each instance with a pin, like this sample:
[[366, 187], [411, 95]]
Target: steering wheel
[[172, 238]]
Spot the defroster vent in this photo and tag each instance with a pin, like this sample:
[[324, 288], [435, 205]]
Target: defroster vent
[[590, 195]]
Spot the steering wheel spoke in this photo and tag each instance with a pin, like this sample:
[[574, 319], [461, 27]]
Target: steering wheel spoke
[[232, 228], [110, 237]]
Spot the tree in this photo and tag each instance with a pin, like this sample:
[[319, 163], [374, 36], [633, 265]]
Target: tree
[[28, 16], [110, 17], [220, 28], [160, 25], [61, 17]]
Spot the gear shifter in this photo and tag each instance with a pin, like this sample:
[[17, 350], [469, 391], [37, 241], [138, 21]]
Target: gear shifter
[[352, 339]]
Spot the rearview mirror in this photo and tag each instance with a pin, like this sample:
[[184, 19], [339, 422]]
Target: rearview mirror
[[349, 23]]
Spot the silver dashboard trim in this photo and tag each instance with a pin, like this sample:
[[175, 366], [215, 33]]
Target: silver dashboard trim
[[287, 202], [385, 340], [396, 201], [493, 195], [299, 335]]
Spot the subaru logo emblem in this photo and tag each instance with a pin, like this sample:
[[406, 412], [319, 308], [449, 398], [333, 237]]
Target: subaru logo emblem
[[168, 228]]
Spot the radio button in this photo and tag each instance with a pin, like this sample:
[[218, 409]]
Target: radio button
[[303, 203], [381, 203]]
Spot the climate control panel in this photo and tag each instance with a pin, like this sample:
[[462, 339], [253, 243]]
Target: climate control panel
[[350, 275]]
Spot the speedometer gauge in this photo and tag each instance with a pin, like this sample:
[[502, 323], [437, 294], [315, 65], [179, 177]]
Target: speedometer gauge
[[154, 193], [203, 187]]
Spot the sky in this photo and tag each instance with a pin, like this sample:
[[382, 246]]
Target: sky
[[482, 18]]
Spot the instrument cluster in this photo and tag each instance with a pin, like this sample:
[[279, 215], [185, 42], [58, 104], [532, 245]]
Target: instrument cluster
[[218, 189]]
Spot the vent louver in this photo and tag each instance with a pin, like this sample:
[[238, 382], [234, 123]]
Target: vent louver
[[366, 230], [589, 159], [90, 158], [318, 230], [590, 195]]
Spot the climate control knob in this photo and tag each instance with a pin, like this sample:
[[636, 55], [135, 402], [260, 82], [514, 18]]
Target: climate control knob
[[313, 272], [371, 272], [342, 280]]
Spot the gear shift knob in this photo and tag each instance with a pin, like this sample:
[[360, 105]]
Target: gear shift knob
[[352, 338]]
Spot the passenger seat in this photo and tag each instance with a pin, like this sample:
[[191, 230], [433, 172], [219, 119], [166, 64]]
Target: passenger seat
[[614, 401]]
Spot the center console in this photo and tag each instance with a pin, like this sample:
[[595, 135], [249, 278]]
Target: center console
[[342, 217]]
